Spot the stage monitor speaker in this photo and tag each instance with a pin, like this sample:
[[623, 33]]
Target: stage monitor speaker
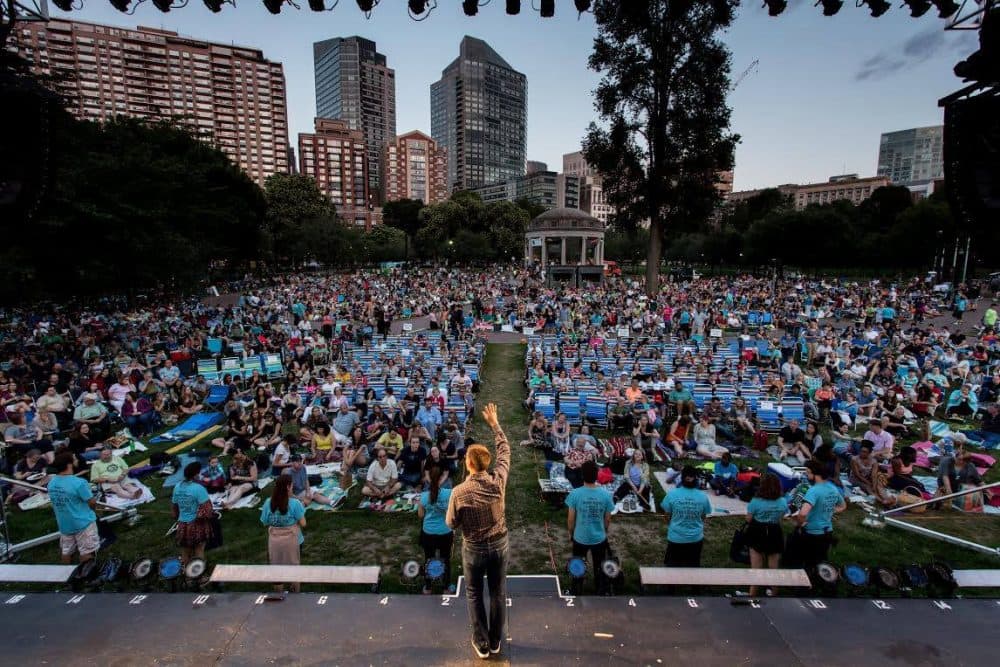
[[972, 161]]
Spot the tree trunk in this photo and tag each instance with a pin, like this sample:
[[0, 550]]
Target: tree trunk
[[653, 256]]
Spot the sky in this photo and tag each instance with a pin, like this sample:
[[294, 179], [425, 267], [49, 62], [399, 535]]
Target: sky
[[824, 90]]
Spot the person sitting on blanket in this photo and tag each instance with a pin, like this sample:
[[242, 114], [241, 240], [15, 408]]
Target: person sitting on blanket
[[410, 462], [538, 431], [436, 459], [956, 470], [989, 431], [300, 483], [237, 428], [32, 468], [391, 441], [383, 480], [792, 444], [724, 475], [322, 444], [111, 472], [242, 479], [962, 403], [679, 434], [269, 434], [901, 472], [575, 457], [212, 476], [705, 439], [636, 480]]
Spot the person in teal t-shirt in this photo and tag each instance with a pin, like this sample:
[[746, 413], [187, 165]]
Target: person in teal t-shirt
[[686, 507], [822, 501], [589, 514], [284, 517], [192, 533], [763, 533], [724, 474], [435, 535], [682, 398], [73, 504]]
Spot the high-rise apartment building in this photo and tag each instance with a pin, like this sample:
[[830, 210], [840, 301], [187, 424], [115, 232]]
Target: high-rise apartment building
[[231, 95], [591, 190], [414, 167], [912, 157], [479, 113], [335, 155], [568, 191], [354, 84]]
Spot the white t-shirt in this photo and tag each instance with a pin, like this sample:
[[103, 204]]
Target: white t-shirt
[[280, 453], [380, 476]]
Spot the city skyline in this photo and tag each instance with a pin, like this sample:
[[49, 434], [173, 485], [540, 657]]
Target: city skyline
[[825, 90]]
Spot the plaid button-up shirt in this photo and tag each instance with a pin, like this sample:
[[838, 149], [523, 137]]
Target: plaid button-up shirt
[[477, 504]]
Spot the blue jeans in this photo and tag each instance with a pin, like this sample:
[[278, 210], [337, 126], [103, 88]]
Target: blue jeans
[[489, 560]]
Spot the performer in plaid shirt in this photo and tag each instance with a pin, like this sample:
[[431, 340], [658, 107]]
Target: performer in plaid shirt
[[477, 509]]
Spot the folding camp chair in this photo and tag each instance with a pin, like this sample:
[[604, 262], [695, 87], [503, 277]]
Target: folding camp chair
[[209, 369], [217, 396]]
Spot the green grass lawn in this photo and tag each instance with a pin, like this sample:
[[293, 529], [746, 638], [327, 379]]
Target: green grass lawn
[[539, 540]]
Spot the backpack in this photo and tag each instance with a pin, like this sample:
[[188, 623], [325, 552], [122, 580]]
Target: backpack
[[760, 440]]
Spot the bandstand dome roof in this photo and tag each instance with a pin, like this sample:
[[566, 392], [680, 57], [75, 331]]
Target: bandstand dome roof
[[564, 219]]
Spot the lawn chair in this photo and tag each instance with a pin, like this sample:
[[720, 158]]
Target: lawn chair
[[569, 404], [217, 397], [214, 345], [209, 369], [272, 365]]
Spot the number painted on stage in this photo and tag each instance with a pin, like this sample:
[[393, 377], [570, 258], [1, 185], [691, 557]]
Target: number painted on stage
[[445, 601], [76, 599], [201, 599], [137, 599], [384, 601], [260, 599], [322, 599], [882, 604], [15, 599], [569, 602], [942, 605], [692, 603], [817, 604], [631, 602], [510, 603]]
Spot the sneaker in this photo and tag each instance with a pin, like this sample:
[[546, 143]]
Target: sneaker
[[481, 653], [495, 649]]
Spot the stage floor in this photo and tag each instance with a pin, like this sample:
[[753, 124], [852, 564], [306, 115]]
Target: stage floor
[[544, 629]]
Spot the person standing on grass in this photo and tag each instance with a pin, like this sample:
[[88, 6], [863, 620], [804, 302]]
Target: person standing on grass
[[73, 504], [477, 508], [285, 517], [763, 533], [822, 501], [588, 519], [193, 511], [436, 537], [686, 507]]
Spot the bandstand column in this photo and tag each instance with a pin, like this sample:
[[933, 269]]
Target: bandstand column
[[562, 244]]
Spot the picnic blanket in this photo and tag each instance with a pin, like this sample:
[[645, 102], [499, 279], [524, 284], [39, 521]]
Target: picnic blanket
[[721, 505], [124, 503], [247, 501], [331, 489], [401, 502], [189, 428], [176, 478], [557, 483]]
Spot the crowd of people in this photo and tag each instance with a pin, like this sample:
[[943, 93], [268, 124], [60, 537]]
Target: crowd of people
[[75, 377]]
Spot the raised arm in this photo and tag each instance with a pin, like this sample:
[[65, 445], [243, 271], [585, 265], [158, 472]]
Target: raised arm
[[502, 467]]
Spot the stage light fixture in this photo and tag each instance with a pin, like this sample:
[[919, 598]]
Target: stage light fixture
[[65, 5], [775, 7], [886, 580], [513, 7], [856, 577], [366, 5], [417, 7], [163, 5], [547, 8], [410, 570], [582, 6], [433, 572], [945, 7], [121, 5], [214, 6], [984, 64], [877, 7], [317, 5], [274, 6], [918, 7], [470, 7], [830, 7]]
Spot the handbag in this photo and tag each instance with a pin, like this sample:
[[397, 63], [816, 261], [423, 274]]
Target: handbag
[[906, 498], [970, 502], [739, 551]]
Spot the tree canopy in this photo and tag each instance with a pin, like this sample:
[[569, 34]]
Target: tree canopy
[[663, 102]]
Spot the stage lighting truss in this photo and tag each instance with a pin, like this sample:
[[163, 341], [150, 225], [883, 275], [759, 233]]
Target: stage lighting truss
[[876, 7], [471, 7], [419, 10], [918, 7], [166, 5], [830, 7], [775, 7], [969, 14]]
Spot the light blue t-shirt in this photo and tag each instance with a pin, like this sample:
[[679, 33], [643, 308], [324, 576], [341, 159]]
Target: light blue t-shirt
[[69, 496], [590, 504], [187, 496], [687, 509], [824, 498], [767, 511], [727, 471], [434, 512], [295, 512]]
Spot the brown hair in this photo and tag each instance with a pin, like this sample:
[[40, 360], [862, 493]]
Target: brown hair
[[478, 457], [282, 490], [770, 487]]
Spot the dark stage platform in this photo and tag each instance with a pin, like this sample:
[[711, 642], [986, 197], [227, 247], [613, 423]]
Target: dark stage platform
[[544, 629]]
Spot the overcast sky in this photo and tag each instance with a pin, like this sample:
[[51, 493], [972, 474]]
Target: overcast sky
[[826, 87]]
